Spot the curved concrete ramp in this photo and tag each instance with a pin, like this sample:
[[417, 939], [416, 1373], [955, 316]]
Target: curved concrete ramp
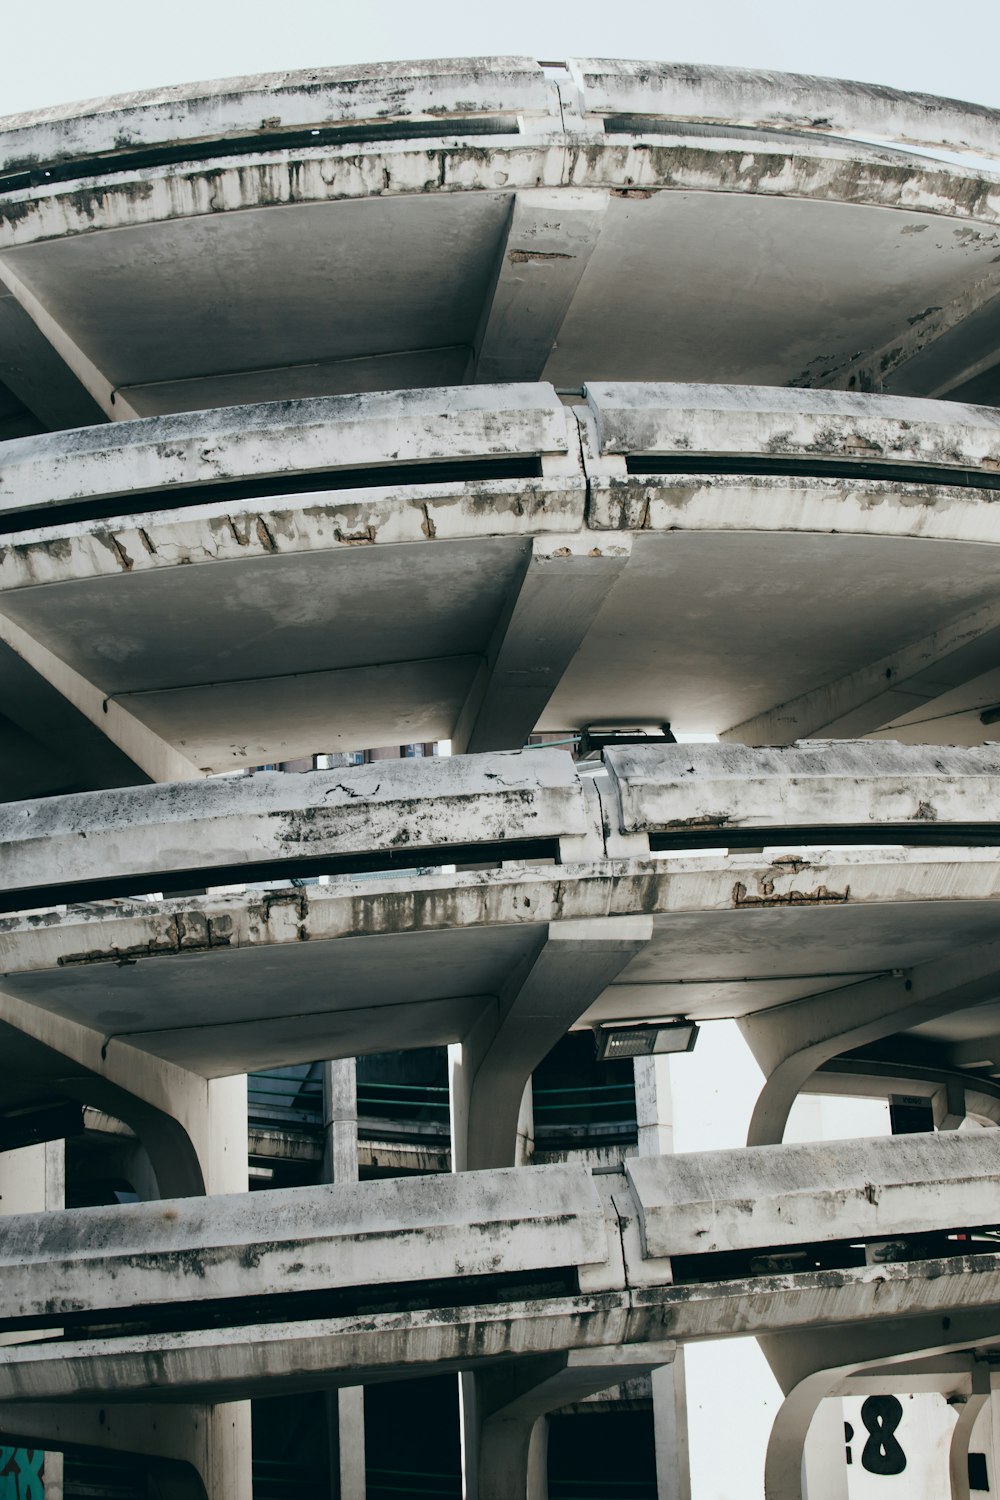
[[535, 803], [557, 548], [559, 1250]]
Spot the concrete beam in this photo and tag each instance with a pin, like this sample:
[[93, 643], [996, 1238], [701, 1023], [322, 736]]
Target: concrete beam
[[270, 104], [233, 1362], [695, 1204], [618, 1231], [80, 366], [259, 441], [549, 611], [370, 1234], [193, 1129], [732, 421], [869, 788], [146, 749], [569, 970], [38, 376], [866, 700], [954, 1096], [512, 1401], [791, 1041], [913, 358], [195, 1452], [786, 101], [549, 240], [163, 830]]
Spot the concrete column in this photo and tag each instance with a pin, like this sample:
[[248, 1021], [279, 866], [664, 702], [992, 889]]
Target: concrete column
[[511, 1404], [193, 1452], [194, 1131], [491, 1124], [655, 1121], [33, 1180], [345, 1408], [968, 1416], [550, 990]]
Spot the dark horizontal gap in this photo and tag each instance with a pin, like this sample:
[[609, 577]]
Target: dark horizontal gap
[[170, 882], [177, 497], [809, 467], [636, 124], [45, 173], [304, 1306], [832, 1255], [919, 835]]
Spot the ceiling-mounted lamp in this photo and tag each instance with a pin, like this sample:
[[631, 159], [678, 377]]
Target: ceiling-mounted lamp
[[644, 1039]]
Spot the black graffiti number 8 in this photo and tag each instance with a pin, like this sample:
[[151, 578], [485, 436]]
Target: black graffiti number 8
[[882, 1454]]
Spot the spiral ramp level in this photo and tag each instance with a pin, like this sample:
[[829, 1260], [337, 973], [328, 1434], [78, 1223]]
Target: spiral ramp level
[[480, 400]]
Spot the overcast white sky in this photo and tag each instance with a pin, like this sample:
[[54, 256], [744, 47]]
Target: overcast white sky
[[54, 51]]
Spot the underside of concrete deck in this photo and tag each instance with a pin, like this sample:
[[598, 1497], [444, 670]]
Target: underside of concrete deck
[[481, 562]]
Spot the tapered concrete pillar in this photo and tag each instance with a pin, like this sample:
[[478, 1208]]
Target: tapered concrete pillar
[[790, 1042], [570, 968], [510, 1406], [345, 1408], [194, 1131], [489, 1091]]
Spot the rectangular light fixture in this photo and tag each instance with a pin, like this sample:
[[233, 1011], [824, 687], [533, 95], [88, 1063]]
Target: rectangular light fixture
[[645, 1039]]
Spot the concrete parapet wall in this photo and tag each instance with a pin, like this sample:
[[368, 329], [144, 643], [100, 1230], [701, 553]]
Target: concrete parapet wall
[[508, 87], [254, 443], [358, 1234], [723, 421], [697, 1203], [821, 785], [885, 789], [389, 805]]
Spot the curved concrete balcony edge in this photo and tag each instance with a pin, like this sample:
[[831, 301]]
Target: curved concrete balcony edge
[[533, 802], [374, 94]]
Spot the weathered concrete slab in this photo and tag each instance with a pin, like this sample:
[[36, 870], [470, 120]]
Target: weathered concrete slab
[[111, 843], [635, 1304], [437, 154], [137, 461], [697, 1203], [785, 101], [462, 89], [371, 1234], [310, 640], [362, 965], [823, 785], [251, 821], [272, 103], [266, 1359], [728, 420]]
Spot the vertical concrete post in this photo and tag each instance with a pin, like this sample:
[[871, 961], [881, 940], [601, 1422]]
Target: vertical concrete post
[[655, 1127], [33, 1180], [221, 1145], [345, 1408]]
